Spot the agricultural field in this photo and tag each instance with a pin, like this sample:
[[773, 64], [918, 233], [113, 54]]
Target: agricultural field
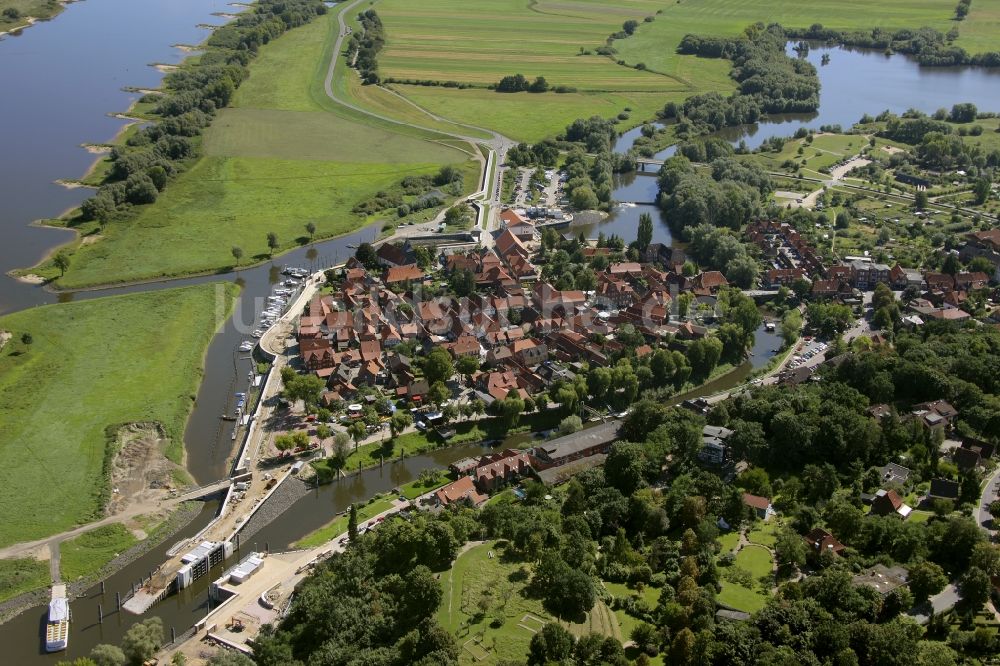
[[654, 43], [90, 366], [479, 43], [531, 117], [277, 159], [483, 577]]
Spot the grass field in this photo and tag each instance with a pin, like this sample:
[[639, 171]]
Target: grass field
[[654, 43], [338, 525], [763, 532], [824, 151], [91, 365], [499, 583], [481, 42], [88, 553], [279, 158], [22, 575]]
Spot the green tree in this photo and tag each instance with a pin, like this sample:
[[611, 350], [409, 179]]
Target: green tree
[[645, 235], [107, 655], [237, 253], [324, 432], [626, 467], [791, 324], [27, 339], [352, 523], [142, 640], [438, 367], [553, 644], [926, 579], [570, 424], [467, 366], [311, 229], [358, 432], [438, 393], [61, 261], [272, 242], [583, 198], [981, 190], [365, 253], [341, 448], [400, 421], [920, 200], [789, 549], [974, 587]]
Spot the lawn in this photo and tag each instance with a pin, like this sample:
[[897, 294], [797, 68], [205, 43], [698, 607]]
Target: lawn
[[415, 489], [824, 151], [477, 581], [740, 598], [479, 43], [20, 576], [283, 155], [763, 532], [87, 554], [755, 559], [93, 365], [728, 541], [654, 43], [338, 525]]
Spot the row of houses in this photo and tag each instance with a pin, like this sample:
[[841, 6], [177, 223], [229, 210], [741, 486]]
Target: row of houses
[[550, 461]]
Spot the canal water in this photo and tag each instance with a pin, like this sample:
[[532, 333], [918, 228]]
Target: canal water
[[22, 636], [857, 81]]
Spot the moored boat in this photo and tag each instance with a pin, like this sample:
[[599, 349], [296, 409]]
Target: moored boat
[[57, 626]]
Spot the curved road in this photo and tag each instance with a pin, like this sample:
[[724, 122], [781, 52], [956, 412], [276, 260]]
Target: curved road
[[498, 146]]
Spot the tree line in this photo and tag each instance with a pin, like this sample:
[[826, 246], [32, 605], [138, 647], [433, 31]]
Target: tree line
[[142, 167], [928, 46]]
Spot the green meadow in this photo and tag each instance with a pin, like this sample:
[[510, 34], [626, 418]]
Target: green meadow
[[282, 156], [479, 43], [654, 43], [90, 366]]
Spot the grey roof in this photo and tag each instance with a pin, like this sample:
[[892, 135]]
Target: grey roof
[[567, 445]]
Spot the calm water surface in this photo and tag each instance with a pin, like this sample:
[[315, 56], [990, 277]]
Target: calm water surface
[[856, 82], [60, 80]]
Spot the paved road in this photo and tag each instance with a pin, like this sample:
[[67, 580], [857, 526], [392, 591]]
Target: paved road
[[498, 145], [990, 492]]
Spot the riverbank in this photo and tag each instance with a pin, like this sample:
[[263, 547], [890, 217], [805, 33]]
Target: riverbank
[[177, 521], [29, 12], [274, 148], [89, 368]]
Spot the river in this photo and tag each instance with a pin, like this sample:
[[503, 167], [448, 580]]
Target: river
[[857, 81]]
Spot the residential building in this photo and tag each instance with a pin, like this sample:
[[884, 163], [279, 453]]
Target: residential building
[[761, 506]]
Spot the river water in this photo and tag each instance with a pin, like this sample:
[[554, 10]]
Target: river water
[[855, 82], [61, 78]]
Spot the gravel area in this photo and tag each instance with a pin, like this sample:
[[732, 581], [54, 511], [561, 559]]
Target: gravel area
[[288, 493]]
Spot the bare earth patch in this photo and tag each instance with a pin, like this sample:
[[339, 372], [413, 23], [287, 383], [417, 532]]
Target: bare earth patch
[[31, 278], [142, 475], [5, 337]]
